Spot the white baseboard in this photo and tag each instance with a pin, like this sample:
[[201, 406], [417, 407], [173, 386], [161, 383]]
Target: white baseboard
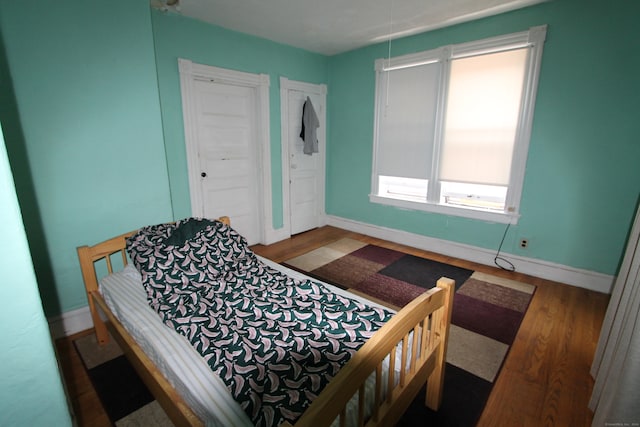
[[534, 267], [70, 323], [275, 235]]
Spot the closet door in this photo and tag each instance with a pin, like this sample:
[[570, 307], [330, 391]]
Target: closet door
[[226, 116], [306, 172], [226, 155]]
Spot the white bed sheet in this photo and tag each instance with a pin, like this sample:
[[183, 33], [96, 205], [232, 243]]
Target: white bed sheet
[[187, 371]]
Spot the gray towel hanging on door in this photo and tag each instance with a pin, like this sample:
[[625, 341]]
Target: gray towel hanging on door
[[310, 123]]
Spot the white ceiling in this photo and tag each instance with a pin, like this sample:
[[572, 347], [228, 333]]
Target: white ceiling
[[334, 26]]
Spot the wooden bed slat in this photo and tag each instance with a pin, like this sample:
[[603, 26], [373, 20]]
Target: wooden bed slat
[[414, 349], [392, 374], [403, 360], [425, 339], [378, 390]]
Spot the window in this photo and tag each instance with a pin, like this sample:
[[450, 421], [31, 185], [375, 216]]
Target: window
[[452, 126]]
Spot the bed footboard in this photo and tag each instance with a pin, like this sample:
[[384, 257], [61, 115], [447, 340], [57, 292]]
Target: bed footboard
[[422, 360]]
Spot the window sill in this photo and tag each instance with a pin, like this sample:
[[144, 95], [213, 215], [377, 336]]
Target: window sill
[[503, 218]]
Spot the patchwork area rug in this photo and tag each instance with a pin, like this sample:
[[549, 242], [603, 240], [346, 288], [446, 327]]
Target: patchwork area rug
[[487, 313], [125, 398]]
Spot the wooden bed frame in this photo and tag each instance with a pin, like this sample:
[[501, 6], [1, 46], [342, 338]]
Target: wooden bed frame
[[428, 316]]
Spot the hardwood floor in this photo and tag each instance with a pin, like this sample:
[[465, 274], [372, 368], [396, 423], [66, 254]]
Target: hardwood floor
[[87, 409], [545, 380]]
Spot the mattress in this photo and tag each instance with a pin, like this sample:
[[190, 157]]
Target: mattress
[[186, 370]]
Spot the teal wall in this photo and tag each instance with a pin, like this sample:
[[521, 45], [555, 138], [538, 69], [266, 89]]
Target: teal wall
[[93, 127], [83, 130], [32, 393], [583, 176], [179, 37]]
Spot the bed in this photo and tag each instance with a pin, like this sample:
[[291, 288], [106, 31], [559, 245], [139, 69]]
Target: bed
[[386, 367]]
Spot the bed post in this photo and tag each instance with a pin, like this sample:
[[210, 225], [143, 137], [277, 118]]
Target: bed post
[[91, 285], [441, 321]]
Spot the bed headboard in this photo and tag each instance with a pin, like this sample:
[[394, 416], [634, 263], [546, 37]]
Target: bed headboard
[[106, 250]]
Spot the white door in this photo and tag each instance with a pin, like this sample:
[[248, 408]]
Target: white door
[[227, 160], [306, 172]]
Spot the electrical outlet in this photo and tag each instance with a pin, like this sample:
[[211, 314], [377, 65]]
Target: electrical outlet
[[524, 243]]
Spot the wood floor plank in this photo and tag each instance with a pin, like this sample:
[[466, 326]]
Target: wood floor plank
[[546, 374], [545, 379], [87, 409]]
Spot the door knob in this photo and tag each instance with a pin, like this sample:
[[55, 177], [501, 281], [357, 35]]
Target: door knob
[[203, 174]]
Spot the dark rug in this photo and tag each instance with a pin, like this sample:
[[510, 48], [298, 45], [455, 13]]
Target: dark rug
[[124, 396], [487, 313]]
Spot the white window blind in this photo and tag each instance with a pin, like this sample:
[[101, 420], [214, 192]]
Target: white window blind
[[483, 106], [406, 121]]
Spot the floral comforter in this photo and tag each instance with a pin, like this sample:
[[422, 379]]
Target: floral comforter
[[275, 341]]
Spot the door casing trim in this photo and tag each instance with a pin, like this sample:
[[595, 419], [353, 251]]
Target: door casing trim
[[191, 71]]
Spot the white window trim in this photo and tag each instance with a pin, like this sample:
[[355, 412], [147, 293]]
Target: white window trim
[[533, 38]]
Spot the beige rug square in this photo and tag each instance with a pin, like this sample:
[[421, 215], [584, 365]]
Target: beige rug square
[[324, 255], [475, 353]]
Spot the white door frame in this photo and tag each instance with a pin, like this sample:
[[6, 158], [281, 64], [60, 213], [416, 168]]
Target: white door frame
[[320, 89], [189, 72]]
